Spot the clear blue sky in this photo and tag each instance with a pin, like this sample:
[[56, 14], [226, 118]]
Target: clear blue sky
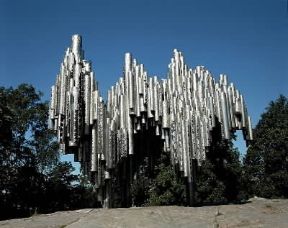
[[245, 39]]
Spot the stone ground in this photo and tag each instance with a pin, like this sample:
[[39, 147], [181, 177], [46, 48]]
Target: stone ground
[[258, 212]]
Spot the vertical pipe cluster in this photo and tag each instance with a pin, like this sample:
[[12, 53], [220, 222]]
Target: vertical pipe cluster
[[195, 103], [182, 110], [77, 111]]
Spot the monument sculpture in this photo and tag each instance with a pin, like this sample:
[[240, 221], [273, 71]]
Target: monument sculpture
[[142, 117]]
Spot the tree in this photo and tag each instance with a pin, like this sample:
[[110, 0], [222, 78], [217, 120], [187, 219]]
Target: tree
[[24, 136], [24, 143], [31, 177], [266, 162], [142, 184], [43, 142], [159, 186], [218, 179], [167, 188], [59, 186]]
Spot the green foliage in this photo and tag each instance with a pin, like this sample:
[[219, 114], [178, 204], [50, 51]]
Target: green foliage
[[160, 187], [19, 177], [31, 176], [166, 188], [63, 191], [266, 162], [210, 189], [141, 185], [23, 121], [219, 177]]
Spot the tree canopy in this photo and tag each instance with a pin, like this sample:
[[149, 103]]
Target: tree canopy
[[266, 161], [32, 178]]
